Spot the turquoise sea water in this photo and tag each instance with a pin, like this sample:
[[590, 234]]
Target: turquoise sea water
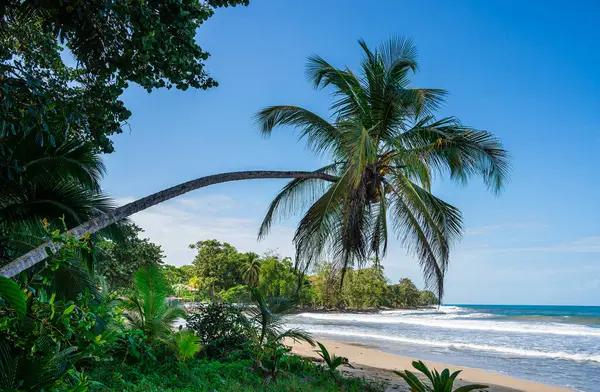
[[558, 345]]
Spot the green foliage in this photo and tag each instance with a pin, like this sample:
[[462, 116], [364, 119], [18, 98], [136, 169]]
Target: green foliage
[[332, 361], [235, 295], [220, 327], [439, 382], [57, 182], [386, 146], [218, 264], [296, 374], [132, 347], [178, 275], [19, 371], [251, 270], [39, 351], [110, 45], [405, 294], [265, 316], [278, 278], [11, 293], [185, 345], [364, 288], [427, 298], [146, 308], [119, 260]]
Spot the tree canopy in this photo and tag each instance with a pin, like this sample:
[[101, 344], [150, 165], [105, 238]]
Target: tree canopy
[[65, 64], [118, 261]]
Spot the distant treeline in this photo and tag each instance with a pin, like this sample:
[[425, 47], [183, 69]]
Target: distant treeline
[[219, 271]]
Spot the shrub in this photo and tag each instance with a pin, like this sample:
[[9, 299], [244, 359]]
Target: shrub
[[132, 347], [147, 309], [440, 382], [221, 328], [59, 323], [332, 361], [185, 345], [236, 295]]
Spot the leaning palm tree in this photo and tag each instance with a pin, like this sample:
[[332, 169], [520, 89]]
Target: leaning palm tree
[[251, 270], [386, 147], [147, 309]]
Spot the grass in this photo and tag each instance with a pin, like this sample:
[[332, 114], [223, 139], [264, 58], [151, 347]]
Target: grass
[[197, 375]]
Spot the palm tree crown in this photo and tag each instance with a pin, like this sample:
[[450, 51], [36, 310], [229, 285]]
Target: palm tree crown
[[386, 147], [251, 270]]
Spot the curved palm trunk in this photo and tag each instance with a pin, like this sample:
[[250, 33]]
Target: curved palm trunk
[[38, 254]]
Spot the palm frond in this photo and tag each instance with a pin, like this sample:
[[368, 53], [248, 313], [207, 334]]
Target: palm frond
[[296, 334], [152, 289], [295, 196], [320, 135], [420, 242], [320, 223], [352, 99], [462, 151]]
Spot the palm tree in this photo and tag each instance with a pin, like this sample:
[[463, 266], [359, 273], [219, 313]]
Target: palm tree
[[266, 317], [386, 147], [147, 309], [251, 270], [269, 331]]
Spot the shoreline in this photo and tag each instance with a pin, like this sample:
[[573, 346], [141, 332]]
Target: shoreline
[[356, 310], [370, 363]]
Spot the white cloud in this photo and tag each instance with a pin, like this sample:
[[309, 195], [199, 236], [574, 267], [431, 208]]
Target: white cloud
[[503, 227], [176, 224], [580, 245]]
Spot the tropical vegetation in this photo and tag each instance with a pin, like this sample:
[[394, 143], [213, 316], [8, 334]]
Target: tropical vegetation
[[87, 303], [386, 148], [438, 382], [219, 271]]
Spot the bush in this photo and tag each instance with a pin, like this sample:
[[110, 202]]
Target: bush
[[133, 347], [209, 376], [236, 295], [440, 382], [221, 327]]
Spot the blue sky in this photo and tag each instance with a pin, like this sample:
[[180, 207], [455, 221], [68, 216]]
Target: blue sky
[[526, 71]]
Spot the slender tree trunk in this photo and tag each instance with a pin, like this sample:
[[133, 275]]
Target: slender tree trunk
[[38, 254]]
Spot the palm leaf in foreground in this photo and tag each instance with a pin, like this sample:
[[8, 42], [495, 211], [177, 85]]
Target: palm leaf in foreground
[[439, 382]]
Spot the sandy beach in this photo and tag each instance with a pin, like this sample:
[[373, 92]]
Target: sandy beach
[[368, 362]]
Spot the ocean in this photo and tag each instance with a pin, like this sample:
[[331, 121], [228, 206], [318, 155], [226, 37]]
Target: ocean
[[556, 345]]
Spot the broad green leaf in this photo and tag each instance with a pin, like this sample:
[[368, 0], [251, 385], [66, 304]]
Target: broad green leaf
[[12, 294], [69, 310]]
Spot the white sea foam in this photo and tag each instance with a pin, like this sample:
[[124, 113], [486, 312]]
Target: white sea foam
[[450, 322], [463, 346]]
